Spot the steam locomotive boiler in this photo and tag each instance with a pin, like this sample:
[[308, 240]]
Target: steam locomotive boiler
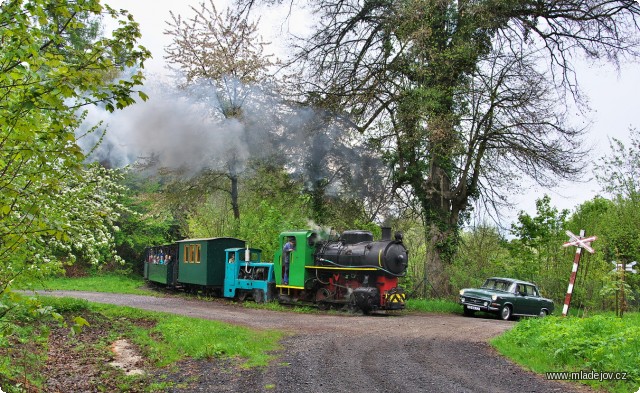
[[352, 271]]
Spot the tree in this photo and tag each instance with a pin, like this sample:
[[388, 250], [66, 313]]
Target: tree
[[442, 82], [618, 173], [593, 217], [538, 250], [223, 56], [482, 253], [144, 222], [52, 207]]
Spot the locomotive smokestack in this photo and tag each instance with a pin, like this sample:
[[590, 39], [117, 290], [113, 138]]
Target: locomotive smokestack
[[386, 233]]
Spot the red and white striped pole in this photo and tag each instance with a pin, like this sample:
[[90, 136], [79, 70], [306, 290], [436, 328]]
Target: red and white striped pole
[[579, 242]]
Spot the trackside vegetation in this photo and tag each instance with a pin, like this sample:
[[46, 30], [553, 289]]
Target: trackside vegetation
[[600, 343], [197, 338], [162, 339], [106, 282], [434, 306]]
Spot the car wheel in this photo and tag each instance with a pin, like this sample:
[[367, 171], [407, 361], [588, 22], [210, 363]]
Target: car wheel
[[543, 313], [505, 313], [467, 312]]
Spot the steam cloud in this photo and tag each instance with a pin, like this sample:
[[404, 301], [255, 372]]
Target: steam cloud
[[181, 129], [177, 131]]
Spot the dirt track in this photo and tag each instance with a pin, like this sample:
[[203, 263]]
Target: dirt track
[[355, 353]]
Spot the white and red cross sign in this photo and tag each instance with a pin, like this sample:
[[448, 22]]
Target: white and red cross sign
[[580, 242]]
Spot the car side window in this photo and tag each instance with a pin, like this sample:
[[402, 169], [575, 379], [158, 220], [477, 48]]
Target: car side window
[[533, 291], [522, 289]]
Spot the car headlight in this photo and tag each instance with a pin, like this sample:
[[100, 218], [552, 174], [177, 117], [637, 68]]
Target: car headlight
[[462, 292], [494, 297]]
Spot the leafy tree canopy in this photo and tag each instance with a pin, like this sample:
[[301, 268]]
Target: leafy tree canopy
[[52, 64], [455, 93]]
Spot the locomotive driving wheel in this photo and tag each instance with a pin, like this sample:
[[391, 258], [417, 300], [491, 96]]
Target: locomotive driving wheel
[[322, 295], [351, 305]]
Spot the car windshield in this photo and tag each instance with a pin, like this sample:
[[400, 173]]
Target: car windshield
[[499, 285]]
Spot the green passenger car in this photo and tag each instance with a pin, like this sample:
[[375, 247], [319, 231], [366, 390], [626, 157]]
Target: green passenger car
[[161, 264], [202, 261]]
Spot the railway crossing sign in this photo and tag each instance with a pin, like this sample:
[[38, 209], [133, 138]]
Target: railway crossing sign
[[627, 268], [579, 241]]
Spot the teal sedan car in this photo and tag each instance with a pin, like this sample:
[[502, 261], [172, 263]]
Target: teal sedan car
[[507, 298]]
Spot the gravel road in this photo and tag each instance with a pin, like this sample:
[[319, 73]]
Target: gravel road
[[355, 353]]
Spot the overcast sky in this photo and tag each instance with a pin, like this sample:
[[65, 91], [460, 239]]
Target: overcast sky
[[612, 96]]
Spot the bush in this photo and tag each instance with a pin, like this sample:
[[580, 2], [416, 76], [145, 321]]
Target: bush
[[600, 343]]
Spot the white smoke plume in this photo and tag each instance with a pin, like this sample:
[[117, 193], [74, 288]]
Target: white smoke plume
[[183, 129], [176, 131]]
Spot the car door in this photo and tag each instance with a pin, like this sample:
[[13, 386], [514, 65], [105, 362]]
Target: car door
[[520, 302], [531, 300]]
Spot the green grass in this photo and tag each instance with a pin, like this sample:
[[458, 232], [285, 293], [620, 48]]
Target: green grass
[[434, 306], [275, 306], [196, 338], [112, 283], [163, 338], [602, 343], [181, 336]]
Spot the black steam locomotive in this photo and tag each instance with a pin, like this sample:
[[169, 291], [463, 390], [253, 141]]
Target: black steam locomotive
[[353, 271]]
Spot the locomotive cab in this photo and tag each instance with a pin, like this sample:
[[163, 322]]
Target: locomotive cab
[[299, 257]]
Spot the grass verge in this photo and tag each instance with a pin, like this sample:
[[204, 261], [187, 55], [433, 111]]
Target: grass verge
[[440, 306], [601, 343], [196, 338], [28, 338], [108, 282]]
